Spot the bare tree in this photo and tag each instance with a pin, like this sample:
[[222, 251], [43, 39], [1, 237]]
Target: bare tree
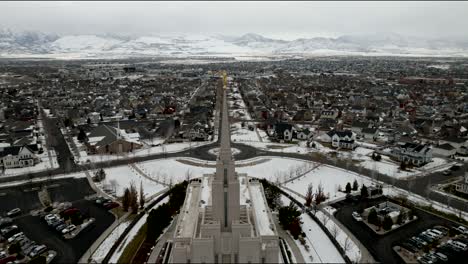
[[347, 244], [324, 218], [335, 231], [188, 175]]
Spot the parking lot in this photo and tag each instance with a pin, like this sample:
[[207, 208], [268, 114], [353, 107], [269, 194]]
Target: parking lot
[[68, 251], [26, 198], [381, 247], [36, 229]]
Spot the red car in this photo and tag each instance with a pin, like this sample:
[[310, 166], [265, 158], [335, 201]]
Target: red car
[[71, 211], [111, 205], [7, 259]]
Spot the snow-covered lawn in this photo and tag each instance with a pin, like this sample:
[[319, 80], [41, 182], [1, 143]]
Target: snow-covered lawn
[[330, 178], [277, 169], [351, 249], [321, 249], [119, 178], [166, 170], [388, 167], [107, 244]]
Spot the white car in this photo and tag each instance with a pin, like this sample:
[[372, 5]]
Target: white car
[[14, 212], [462, 229], [15, 236], [68, 229], [357, 217], [38, 250]]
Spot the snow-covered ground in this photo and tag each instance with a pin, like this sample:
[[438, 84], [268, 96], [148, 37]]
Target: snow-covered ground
[[321, 249], [107, 244], [119, 178], [146, 151], [277, 169], [330, 178], [133, 232], [166, 170], [351, 249], [238, 109]]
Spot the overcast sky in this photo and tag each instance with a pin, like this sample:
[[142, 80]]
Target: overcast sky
[[275, 19]]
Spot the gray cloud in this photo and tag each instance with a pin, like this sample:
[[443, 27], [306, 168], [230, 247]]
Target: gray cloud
[[290, 19]]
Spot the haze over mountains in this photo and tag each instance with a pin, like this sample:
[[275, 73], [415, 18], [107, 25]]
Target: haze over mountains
[[37, 44]]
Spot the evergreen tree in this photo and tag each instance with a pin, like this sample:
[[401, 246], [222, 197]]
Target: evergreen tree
[[348, 188], [387, 223], [133, 198], [287, 214], [126, 200], [355, 185], [372, 217], [81, 135], [88, 121], [364, 193], [142, 196]]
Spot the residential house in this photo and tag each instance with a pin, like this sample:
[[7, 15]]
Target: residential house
[[18, 156], [340, 139], [463, 186], [283, 131], [412, 153], [304, 134], [108, 139]]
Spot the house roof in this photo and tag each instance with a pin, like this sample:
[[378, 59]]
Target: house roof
[[280, 128], [341, 134], [369, 130], [14, 150], [446, 146]]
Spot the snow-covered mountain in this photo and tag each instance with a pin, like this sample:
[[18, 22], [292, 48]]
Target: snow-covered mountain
[[38, 44]]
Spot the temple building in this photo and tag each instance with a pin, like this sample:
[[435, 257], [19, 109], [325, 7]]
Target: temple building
[[225, 217]]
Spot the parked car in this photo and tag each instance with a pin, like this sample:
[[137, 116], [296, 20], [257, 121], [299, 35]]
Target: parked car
[[111, 205], [38, 250], [3, 254], [462, 229], [8, 229], [15, 237], [59, 228], [441, 256], [68, 229], [454, 168], [14, 212], [71, 211], [7, 259], [447, 173], [5, 221]]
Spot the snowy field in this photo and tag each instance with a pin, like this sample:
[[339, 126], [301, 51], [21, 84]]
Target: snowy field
[[119, 178], [165, 170], [277, 169], [330, 178]]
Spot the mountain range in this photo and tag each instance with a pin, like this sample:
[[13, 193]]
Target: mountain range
[[32, 44]]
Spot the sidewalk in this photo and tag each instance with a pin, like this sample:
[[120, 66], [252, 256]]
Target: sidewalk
[[86, 258], [292, 245]]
